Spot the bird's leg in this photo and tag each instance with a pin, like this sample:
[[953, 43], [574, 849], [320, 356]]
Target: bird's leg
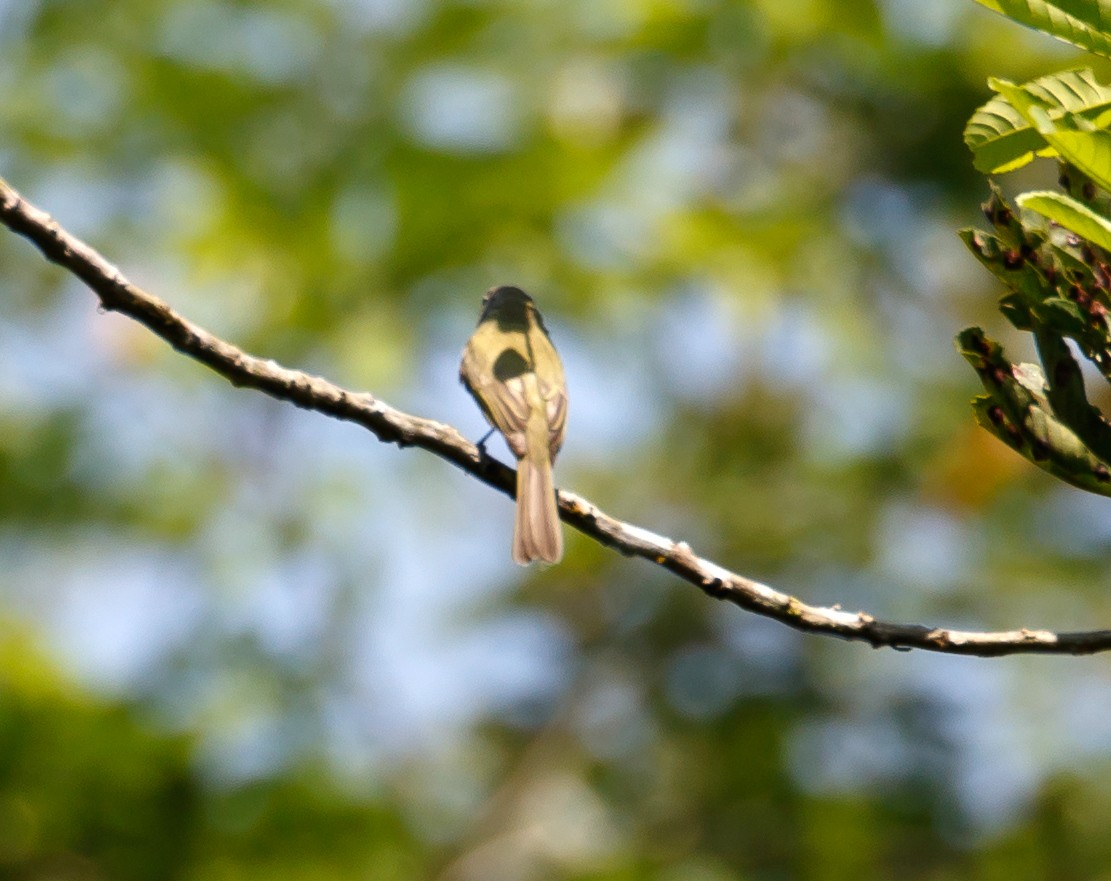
[[482, 444]]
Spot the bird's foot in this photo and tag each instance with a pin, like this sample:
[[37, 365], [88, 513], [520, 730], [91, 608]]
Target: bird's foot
[[481, 444]]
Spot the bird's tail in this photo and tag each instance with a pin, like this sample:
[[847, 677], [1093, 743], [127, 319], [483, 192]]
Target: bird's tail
[[536, 532]]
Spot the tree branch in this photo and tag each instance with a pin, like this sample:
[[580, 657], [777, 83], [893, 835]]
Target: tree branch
[[116, 293]]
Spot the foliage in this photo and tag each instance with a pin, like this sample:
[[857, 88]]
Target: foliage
[[1054, 257], [1002, 135]]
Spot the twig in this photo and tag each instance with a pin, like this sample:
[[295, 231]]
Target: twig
[[116, 293]]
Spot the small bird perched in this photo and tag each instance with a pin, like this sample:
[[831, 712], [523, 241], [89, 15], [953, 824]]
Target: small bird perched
[[512, 370]]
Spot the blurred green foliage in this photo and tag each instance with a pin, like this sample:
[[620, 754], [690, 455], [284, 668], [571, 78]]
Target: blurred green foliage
[[249, 643], [90, 791]]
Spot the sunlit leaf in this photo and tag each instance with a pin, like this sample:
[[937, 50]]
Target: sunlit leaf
[[1002, 139], [1075, 139], [1084, 23], [1072, 215]]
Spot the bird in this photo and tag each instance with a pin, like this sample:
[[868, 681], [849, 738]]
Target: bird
[[513, 372]]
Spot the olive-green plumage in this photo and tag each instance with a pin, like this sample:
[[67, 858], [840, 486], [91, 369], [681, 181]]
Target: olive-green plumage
[[512, 370]]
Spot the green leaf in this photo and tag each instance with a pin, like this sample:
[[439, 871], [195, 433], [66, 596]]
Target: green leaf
[[1063, 316], [1072, 215], [1026, 281], [1083, 23], [1074, 138], [1016, 310], [1017, 410], [1001, 139], [1064, 389]]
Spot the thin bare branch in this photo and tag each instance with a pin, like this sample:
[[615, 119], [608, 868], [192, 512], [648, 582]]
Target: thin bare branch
[[388, 424]]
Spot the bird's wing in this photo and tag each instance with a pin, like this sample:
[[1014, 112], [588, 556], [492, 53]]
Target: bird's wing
[[555, 399], [503, 402]]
